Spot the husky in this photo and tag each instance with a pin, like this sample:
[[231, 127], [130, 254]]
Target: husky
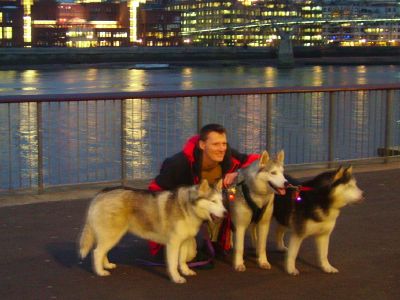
[[172, 218], [253, 205], [312, 211]]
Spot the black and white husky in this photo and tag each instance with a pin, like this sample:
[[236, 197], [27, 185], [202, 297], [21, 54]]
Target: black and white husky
[[312, 211]]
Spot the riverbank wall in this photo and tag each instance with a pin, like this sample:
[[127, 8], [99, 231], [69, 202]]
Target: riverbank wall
[[21, 57]]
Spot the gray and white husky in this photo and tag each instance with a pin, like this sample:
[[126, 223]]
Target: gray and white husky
[[172, 218], [313, 212], [253, 205]]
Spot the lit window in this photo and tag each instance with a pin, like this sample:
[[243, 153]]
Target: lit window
[[8, 33]]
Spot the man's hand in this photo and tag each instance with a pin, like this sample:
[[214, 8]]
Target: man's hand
[[229, 179]]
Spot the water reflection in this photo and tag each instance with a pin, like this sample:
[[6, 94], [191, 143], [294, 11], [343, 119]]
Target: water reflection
[[29, 80], [361, 75], [318, 76], [29, 76], [137, 114], [66, 80], [137, 80], [187, 80], [91, 74]]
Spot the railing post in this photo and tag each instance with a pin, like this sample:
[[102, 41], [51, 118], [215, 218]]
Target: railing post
[[123, 143], [388, 124], [199, 113], [331, 130], [39, 147], [268, 138]]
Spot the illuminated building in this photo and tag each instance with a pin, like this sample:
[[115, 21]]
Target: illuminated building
[[27, 4], [80, 25], [223, 23], [201, 16], [132, 6], [11, 24], [362, 33], [202, 21], [158, 27]]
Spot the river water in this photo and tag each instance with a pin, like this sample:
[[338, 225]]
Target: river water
[[118, 79], [82, 141]]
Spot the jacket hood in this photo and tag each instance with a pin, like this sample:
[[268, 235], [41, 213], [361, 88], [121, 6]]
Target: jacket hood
[[190, 145]]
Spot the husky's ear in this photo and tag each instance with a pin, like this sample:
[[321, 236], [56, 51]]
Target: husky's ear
[[264, 159], [339, 174], [204, 187], [349, 170], [281, 156], [218, 185]]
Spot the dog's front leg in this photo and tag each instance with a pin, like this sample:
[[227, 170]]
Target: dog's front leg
[[293, 249], [261, 250], [172, 249], [186, 254], [322, 242], [238, 262], [262, 234]]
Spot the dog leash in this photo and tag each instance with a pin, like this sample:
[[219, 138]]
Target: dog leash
[[296, 190]]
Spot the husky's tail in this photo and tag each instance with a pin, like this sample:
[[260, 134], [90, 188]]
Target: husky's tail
[[86, 241]]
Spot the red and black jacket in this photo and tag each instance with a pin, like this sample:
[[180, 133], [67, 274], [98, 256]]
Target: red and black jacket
[[184, 168]]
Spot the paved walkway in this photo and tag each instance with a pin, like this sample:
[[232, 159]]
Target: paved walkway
[[38, 255]]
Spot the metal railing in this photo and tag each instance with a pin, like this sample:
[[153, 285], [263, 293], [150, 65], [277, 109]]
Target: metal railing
[[51, 140]]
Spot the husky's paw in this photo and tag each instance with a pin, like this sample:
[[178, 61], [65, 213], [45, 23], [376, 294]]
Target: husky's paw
[[103, 273], [109, 266], [188, 272], [293, 271], [329, 269], [264, 265], [178, 279], [281, 248], [240, 268]]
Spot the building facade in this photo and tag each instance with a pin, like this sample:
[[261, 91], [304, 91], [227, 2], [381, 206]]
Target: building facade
[[11, 24], [159, 27], [247, 22], [382, 33], [79, 25]]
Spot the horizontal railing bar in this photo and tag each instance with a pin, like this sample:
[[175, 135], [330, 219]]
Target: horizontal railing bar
[[191, 93]]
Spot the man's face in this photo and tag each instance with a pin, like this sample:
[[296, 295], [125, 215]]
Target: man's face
[[214, 147]]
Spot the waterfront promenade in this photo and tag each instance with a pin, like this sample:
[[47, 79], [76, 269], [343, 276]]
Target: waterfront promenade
[[38, 254]]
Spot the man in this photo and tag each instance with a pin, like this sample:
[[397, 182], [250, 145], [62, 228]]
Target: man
[[204, 156]]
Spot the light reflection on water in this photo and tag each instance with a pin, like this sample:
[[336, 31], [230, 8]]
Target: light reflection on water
[[60, 81], [82, 141]]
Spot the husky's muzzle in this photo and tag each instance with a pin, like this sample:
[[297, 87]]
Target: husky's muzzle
[[217, 219], [278, 190]]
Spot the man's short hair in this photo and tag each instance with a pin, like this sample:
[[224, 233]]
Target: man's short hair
[[205, 130]]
